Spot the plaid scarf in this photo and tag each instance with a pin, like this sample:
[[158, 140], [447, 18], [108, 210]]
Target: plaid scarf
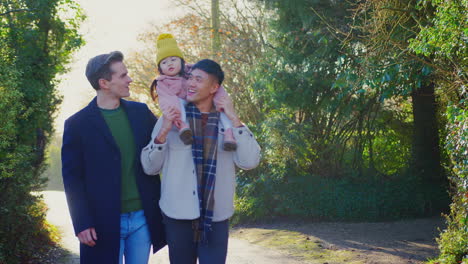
[[204, 149]]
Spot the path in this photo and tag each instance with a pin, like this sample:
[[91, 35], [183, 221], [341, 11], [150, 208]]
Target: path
[[407, 242], [239, 252]]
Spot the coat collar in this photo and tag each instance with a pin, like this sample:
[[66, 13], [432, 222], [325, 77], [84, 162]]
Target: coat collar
[[98, 121]]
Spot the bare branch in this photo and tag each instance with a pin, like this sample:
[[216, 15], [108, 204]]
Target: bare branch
[[397, 9], [16, 11]]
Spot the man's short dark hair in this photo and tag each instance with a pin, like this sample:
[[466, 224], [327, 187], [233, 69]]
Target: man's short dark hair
[[211, 67], [99, 67]]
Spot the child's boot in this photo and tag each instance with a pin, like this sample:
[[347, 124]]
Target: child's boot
[[229, 140], [185, 134]]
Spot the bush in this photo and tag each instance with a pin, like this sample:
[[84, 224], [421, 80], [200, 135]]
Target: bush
[[25, 236], [23, 232], [343, 199], [453, 241], [35, 45]]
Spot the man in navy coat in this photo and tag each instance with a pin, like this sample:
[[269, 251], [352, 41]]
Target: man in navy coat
[[113, 203]]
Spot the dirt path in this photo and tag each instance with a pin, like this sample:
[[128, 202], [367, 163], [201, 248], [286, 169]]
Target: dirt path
[[409, 241], [405, 242], [239, 252]]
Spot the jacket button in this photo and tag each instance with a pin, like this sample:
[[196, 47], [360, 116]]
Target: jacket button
[[240, 131]]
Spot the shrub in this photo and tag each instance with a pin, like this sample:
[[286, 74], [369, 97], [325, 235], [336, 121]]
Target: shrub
[[35, 46], [344, 199], [453, 241]]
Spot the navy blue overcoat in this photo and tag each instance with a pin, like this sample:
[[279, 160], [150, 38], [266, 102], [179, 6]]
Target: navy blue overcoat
[[91, 173]]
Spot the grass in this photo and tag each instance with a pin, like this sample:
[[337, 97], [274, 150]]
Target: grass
[[297, 245]]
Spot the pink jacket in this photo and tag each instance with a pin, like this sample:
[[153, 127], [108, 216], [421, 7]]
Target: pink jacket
[[170, 89]]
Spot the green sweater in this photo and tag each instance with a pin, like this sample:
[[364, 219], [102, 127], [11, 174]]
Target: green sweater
[[118, 123]]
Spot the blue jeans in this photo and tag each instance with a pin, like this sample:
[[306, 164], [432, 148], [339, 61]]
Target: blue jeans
[[135, 241], [182, 249]]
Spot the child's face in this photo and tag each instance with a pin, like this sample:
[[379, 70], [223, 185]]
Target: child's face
[[171, 66]]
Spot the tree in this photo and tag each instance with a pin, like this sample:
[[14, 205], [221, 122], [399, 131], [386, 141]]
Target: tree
[[330, 123], [37, 43], [216, 41], [386, 33], [337, 82]]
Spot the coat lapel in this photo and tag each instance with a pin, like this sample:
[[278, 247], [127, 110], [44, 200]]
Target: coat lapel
[[96, 119]]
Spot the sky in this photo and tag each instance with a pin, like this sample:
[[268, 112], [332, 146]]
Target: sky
[[110, 25]]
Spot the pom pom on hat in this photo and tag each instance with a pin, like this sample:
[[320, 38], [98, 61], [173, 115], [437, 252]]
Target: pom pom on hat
[[167, 47], [165, 36]]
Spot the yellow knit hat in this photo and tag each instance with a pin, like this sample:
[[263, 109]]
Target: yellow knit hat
[[167, 47]]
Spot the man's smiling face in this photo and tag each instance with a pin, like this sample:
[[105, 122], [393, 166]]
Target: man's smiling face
[[201, 87]]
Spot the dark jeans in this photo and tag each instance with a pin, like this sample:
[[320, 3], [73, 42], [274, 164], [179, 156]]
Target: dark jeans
[[182, 248]]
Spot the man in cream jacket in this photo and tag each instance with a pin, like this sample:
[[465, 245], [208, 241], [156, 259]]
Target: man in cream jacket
[[198, 180]]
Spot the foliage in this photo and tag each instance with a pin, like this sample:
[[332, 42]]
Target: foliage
[[319, 82], [453, 241], [318, 198], [36, 44], [385, 29], [348, 103], [444, 40]]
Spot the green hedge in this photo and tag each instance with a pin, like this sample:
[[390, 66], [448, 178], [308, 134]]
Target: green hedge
[[313, 197]]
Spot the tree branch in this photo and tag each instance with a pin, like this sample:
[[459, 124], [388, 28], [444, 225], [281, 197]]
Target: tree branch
[[397, 9], [15, 11]]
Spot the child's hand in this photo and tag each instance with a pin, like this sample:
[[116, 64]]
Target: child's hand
[[222, 103], [170, 116], [225, 105], [178, 123]]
